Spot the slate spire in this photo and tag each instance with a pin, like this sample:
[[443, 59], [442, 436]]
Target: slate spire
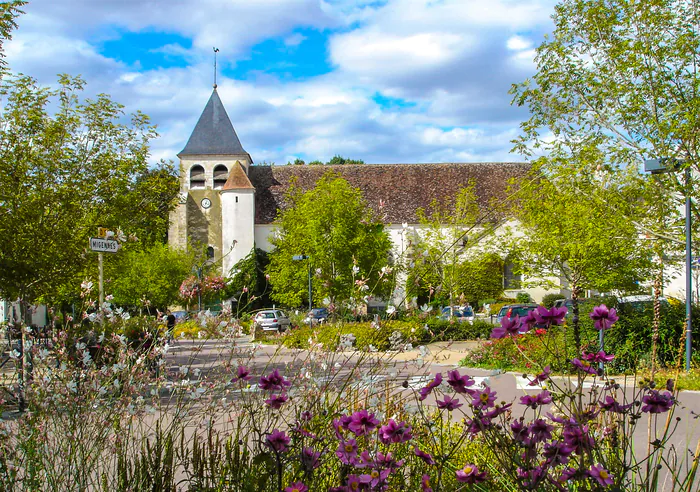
[[214, 133]]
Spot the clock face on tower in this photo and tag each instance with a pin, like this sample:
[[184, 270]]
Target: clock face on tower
[[206, 203]]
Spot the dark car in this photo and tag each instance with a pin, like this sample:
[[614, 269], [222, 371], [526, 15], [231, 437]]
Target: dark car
[[512, 310], [317, 316]]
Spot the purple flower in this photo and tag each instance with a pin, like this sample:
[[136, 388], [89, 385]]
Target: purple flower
[[534, 401], [393, 432], [277, 440], [297, 487], [449, 403], [425, 484], [276, 401], [242, 373], [484, 398], [529, 321], [424, 392], [532, 477], [274, 382], [554, 316], [657, 402], [459, 383], [383, 461], [556, 453], [603, 317], [509, 326], [347, 452], [357, 482], [600, 474], [584, 366], [470, 474], [341, 423], [521, 433], [568, 474], [310, 459], [375, 477], [362, 422], [540, 430], [611, 405], [424, 456], [541, 377], [577, 438], [597, 357], [497, 410]]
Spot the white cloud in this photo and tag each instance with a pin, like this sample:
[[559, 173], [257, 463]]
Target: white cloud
[[518, 43]]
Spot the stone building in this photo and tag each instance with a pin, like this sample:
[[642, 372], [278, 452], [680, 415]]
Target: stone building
[[229, 204]]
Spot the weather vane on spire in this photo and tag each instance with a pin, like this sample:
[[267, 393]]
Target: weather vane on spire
[[216, 50]]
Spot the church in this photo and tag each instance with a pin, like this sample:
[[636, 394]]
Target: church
[[229, 204]]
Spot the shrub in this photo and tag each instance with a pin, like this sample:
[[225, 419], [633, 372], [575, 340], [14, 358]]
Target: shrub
[[523, 298], [548, 299]]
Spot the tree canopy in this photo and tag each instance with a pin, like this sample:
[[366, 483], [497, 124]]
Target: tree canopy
[[616, 83], [67, 166], [345, 243]]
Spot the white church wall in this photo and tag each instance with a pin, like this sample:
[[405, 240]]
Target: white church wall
[[263, 234], [237, 226]]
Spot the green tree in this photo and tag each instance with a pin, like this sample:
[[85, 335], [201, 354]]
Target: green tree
[[249, 283], [574, 230], [65, 166], [344, 240], [617, 82], [316, 163], [338, 160], [451, 258], [9, 11], [153, 274]]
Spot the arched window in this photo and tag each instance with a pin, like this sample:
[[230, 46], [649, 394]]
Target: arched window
[[220, 176], [197, 177]]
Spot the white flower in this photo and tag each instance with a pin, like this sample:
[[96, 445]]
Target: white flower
[[72, 386], [372, 348], [424, 351], [408, 347], [43, 353], [184, 370], [404, 225], [109, 297], [390, 310], [425, 308], [86, 285], [355, 269], [126, 316], [27, 329], [14, 354], [92, 317], [80, 346], [121, 237], [196, 372], [87, 360]]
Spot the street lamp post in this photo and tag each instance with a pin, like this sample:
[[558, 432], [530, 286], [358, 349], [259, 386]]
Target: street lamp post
[[658, 166], [301, 258], [199, 268]]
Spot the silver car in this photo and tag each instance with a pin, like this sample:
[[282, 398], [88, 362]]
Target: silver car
[[272, 320]]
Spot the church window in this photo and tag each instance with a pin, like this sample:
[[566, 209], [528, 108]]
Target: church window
[[220, 176], [197, 177]]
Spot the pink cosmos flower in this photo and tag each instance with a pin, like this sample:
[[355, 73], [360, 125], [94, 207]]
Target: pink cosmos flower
[[612, 405], [393, 432], [362, 422], [310, 459], [274, 382], [459, 383], [425, 484], [424, 392], [534, 401], [484, 398], [554, 316], [541, 377], [470, 474], [449, 403], [601, 475], [276, 401], [604, 318], [242, 373], [657, 402], [584, 366], [597, 357], [277, 440], [297, 487], [347, 452], [424, 456], [509, 326]]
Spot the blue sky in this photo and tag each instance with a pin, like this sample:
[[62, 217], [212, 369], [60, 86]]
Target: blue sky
[[390, 81]]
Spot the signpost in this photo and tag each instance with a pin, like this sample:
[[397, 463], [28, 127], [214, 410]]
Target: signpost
[[102, 246]]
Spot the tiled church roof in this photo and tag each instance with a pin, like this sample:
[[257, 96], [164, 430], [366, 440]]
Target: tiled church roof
[[214, 133], [237, 179], [400, 188]]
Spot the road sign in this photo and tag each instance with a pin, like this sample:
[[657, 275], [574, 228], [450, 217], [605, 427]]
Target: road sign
[[102, 232], [104, 245]]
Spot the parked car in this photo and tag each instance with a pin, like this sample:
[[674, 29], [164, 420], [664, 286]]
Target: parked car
[[512, 310], [272, 320], [316, 316], [459, 313], [180, 316]]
